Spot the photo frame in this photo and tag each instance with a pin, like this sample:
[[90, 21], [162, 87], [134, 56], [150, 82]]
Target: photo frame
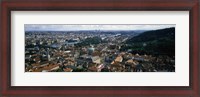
[[8, 90]]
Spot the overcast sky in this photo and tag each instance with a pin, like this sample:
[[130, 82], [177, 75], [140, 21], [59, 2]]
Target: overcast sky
[[53, 27]]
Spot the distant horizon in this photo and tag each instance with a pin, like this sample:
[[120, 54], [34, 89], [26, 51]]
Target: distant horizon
[[90, 30], [93, 27]]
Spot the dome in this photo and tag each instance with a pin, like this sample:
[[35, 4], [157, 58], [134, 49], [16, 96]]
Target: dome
[[91, 49]]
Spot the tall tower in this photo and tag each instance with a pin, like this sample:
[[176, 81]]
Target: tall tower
[[48, 56], [90, 50]]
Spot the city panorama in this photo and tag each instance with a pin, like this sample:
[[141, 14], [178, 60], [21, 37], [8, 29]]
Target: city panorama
[[99, 48]]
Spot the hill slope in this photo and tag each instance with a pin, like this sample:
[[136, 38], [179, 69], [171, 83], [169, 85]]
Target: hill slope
[[153, 42]]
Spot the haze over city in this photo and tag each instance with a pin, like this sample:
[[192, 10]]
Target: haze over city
[[59, 27]]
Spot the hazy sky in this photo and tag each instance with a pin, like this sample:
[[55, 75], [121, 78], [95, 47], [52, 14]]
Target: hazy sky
[[53, 27]]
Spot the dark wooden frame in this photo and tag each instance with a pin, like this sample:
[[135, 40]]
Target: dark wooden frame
[[99, 5]]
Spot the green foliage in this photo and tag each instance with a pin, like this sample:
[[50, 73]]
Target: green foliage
[[168, 33], [78, 70], [59, 70], [157, 42], [88, 41]]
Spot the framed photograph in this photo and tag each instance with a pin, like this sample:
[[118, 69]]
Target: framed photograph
[[139, 48]]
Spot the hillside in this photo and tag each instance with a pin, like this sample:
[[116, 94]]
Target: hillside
[[157, 42]]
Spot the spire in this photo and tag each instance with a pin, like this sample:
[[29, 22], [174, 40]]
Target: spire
[[48, 56]]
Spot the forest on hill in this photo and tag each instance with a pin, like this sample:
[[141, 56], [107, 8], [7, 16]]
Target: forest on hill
[[155, 42]]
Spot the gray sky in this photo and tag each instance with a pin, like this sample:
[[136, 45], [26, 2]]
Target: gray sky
[[58, 27]]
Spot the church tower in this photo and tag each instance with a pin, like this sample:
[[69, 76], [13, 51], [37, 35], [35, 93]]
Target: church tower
[[48, 55]]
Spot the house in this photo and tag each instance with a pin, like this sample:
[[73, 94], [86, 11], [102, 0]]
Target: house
[[68, 69], [131, 64], [92, 69], [117, 67], [119, 59], [96, 59], [101, 66]]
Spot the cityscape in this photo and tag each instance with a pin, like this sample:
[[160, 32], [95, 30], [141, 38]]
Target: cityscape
[[99, 48]]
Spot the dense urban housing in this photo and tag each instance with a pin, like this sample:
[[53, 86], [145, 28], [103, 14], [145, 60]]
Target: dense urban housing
[[100, 51]]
